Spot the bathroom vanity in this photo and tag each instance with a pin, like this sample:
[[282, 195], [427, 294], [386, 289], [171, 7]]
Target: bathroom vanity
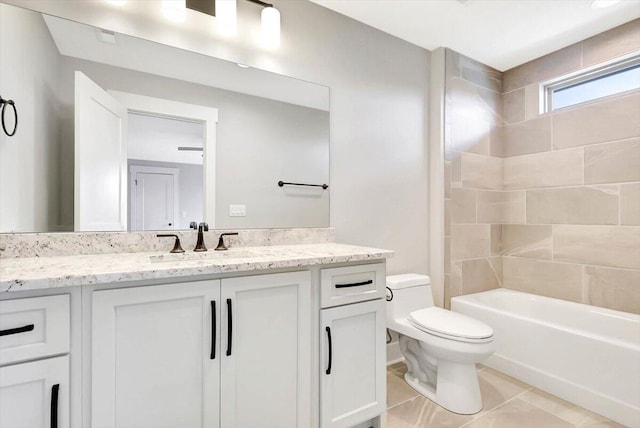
[[289, 336]]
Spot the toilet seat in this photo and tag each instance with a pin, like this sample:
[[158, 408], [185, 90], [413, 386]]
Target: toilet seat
[[450, 325]]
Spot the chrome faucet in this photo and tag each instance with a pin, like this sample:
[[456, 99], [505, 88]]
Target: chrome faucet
[[200, 245]]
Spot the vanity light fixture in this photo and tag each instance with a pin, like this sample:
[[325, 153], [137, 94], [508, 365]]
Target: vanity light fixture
[[117, 2], [226, 17], [174, 10], [270, 31], [601, 4]]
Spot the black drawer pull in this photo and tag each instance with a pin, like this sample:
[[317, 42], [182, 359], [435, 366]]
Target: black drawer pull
[[24, 329], [354, 284], [54, 405], [213, 330], [229, 326], [328, 330]]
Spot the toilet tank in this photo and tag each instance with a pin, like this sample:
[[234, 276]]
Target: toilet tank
[[410, 291]]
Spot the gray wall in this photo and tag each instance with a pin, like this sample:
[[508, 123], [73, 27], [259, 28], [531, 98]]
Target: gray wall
[[378, 110], [29, 161]]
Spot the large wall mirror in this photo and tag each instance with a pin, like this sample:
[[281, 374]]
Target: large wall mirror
[[116, 133]]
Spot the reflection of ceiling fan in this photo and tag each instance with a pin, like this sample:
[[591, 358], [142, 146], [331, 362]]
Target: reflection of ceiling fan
[[190, 149]]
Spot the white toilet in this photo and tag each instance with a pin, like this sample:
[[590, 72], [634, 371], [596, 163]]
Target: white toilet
[[440, 347]]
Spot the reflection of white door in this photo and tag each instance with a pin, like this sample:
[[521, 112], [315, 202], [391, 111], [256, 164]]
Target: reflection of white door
[[154, 198], [100, 201]]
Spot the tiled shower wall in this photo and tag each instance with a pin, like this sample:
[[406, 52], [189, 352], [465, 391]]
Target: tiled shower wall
[[575, 232], [543, 203], [473, 176]]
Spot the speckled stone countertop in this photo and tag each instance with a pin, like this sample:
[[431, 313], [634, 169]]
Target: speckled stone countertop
[[50, 272]]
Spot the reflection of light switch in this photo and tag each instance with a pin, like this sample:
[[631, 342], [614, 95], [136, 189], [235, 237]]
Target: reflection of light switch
[[237, 210]]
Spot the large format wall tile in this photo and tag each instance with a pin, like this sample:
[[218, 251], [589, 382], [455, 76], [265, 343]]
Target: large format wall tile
[[573, 205], [597, 122], [613, 288], [531, 136], [501, 207], [463, 206], [598, 245], [630, 204], [552, 65], [480, 74], [481, 275], [514, 106], [470, 241], [612, 43], [548, 169], [612, 162], [481, 172], [528, 241], [559, 280]]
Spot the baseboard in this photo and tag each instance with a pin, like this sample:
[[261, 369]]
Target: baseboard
[[393, 353]]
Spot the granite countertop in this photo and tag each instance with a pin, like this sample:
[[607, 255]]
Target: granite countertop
[[50, 272]]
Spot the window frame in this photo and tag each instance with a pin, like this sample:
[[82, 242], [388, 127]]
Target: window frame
[[611, 67]]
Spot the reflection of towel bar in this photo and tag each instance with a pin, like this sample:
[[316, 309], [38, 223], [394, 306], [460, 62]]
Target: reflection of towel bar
[[283, 183], [3, 107]]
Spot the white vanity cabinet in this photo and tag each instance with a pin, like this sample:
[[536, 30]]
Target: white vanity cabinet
[[231, 353], [34, 362], [353, 346], [151, 352]]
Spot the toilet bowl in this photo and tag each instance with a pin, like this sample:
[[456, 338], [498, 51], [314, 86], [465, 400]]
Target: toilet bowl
[[440, 347]]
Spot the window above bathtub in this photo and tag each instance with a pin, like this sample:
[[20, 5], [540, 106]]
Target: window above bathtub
[[603, 80]]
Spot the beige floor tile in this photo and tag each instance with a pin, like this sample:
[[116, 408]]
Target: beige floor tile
[[496, 388], [395, 366], [397, 390], [421, 412], [562, 409], [597, 421], [518, 414]]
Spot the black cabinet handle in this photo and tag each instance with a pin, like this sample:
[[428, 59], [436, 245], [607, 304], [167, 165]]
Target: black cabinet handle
[[24, 329], [328, 329], [213, 330], [54, 405], [354, 284], [229, 326]]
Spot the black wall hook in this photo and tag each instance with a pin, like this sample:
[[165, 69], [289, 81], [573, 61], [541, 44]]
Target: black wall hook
[[3, 107]]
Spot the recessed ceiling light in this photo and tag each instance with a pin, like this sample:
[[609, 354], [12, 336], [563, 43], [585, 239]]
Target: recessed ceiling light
[[601, 4], [242, 65]]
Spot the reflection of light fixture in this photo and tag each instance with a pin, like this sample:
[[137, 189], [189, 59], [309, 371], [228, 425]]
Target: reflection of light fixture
[[270, 31], [174, 10], [242, 65], [226, 17], [271, 27], [117, 2], [601, 4]]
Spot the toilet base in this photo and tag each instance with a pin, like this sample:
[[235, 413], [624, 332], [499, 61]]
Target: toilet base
[[431, 372], [456, 389]]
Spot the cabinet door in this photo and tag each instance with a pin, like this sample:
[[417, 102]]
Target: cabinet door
[[31, 392], [353, 356], [266, 360], [152, 359]]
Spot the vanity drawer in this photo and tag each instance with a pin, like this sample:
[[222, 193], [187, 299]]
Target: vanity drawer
[[33, 328], [351, 284]]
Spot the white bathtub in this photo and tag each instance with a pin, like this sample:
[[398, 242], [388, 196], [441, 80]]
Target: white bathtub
[[587, 355]]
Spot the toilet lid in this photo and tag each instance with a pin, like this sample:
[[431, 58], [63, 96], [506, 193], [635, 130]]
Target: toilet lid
[[448, 323]]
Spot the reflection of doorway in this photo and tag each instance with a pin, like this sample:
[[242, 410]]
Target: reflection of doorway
[[159, 145], [154, 197]]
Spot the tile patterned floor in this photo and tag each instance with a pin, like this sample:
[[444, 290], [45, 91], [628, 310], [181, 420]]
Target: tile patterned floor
[[508, 403]]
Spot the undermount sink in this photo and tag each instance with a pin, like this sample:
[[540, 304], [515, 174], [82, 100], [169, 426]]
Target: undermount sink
[[208, 255]]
